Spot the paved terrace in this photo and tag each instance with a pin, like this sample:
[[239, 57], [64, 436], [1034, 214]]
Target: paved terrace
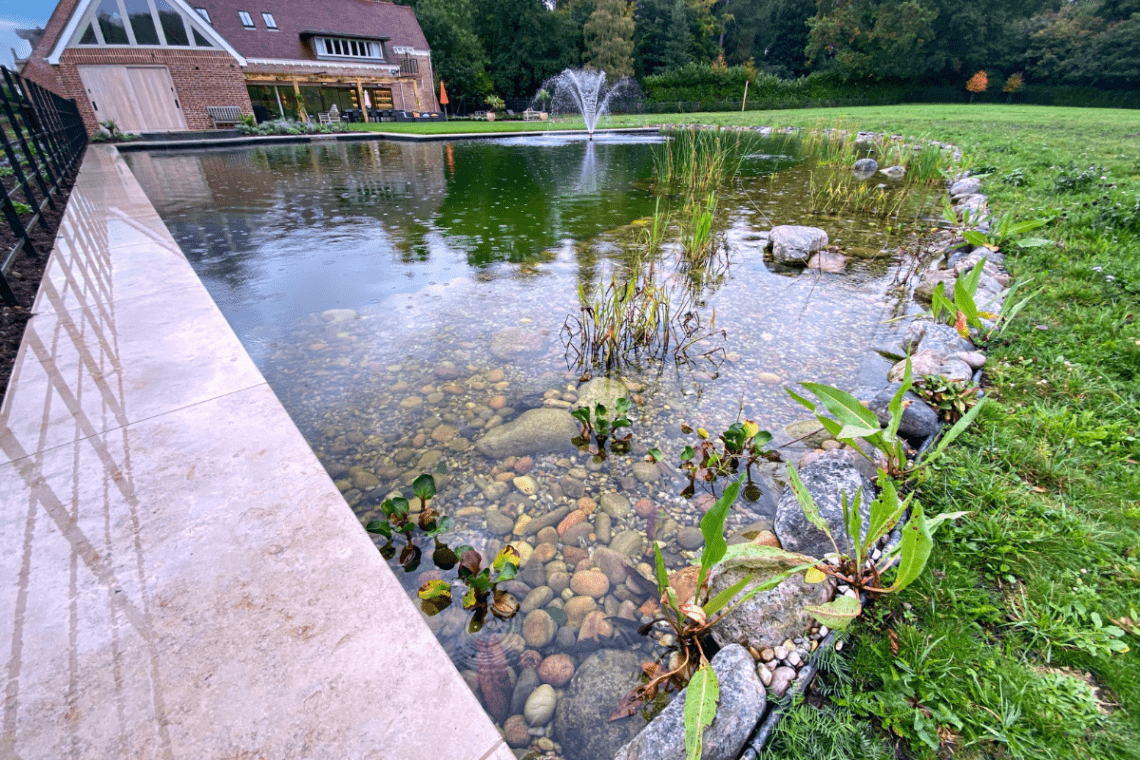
[[179, 578]]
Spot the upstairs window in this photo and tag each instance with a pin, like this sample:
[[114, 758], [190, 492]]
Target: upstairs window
[[346, 48], [270, 22], [409, 65], [204, 14], [246, 19]]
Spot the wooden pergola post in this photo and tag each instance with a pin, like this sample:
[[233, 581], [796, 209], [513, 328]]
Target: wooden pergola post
[[360, 99], [301, 113]]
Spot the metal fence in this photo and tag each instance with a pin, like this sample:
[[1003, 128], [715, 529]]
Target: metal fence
[[42, 137]]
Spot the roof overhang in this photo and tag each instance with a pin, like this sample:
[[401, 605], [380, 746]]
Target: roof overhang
[[309, 33], [82, 11]]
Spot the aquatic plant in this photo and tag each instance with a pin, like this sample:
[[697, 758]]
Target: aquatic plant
[[696, 162], [482, 586], [698, 240], [857, 426], [398, 521], [722, 456], [635, 319], [597, 426], [863, 567], [688, 619]]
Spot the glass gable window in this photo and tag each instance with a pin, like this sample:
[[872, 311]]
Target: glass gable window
[[204, 14], [246, 19], [270, 22], [144, 23], [110, 20], [172, 24], [346, 48]]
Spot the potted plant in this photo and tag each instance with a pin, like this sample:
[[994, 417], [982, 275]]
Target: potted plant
[[494, 102], [542, 98]]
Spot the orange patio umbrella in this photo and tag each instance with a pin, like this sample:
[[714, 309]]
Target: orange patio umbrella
[[443, 98]]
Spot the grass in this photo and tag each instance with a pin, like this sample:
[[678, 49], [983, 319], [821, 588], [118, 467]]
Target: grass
[[1012, 644]]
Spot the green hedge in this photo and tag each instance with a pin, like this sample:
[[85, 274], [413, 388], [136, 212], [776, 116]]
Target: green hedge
[[700, 87]]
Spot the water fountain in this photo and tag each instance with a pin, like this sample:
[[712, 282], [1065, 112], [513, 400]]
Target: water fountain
[[585, 91]]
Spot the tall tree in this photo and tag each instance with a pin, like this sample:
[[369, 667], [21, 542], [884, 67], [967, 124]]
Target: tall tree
[[609, 38], [870, 40], [773, 33], [457, 56], [526, 42]]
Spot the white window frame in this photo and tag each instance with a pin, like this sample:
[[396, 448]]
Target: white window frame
[[270, 22], [349, 48], [246, 19]]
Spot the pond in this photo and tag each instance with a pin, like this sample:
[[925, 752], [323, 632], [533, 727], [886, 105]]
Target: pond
[[404, 299]]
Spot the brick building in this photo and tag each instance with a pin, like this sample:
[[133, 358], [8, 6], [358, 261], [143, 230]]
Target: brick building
[[156, 65]]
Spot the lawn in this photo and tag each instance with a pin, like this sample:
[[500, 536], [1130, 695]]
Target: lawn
[[1021, 640]]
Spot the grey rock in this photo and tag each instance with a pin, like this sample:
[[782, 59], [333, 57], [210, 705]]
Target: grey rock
[[976, 205], [893, 172], [942, 339], [549, 520], [514, 342], [922, 362], [827, 478], [742, 702], [498, 523], [535, 431], [965, 187], [918, 419], [572, 488], [630, 543], [770, 617], [614, 504], [866, 167], [603, 528], [646, 472], [533, 573], [794, 244], [528, 682], [690, 538], [601, 390], [809, 431], [581, 720]]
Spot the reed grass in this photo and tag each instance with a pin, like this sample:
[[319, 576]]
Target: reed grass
[[640, 317]]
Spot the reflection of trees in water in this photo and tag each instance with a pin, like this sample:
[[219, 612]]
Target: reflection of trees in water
[[220, 203], [510, 202]]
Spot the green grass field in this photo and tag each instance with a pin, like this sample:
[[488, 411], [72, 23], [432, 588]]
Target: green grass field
[[1021, 640]]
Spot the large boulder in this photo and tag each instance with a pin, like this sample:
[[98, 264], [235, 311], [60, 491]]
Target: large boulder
[[827, 479], [581, 720], [535, 431], [918, 421], [742, 702], [770, 617], [794, 244]]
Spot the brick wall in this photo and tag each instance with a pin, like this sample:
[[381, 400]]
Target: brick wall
[[201, 78]]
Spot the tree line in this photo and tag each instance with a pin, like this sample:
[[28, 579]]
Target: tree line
[[510, 47]]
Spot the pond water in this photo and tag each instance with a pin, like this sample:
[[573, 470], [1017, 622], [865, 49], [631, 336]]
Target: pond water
[[402, 299]]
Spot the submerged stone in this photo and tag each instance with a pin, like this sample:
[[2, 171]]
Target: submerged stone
[[535, 431], [581, 720], [742, 703], [794, 244]]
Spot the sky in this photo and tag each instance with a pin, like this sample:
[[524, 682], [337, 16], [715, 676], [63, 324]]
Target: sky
[[20, 14]]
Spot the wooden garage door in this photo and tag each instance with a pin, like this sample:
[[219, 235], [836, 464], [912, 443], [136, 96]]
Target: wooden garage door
[[136, 98]]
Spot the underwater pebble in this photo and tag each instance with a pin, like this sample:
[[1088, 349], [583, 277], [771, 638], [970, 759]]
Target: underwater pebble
[[540, 705], [556, 670]]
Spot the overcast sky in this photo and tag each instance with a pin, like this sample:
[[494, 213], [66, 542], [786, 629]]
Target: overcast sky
[[20, 14]]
